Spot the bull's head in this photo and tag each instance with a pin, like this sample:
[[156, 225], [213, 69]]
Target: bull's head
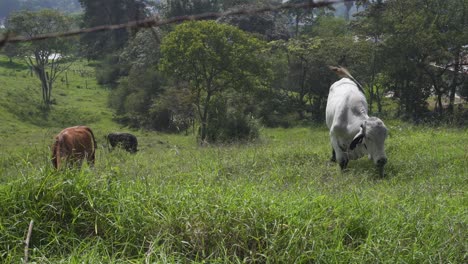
[[373, 134]]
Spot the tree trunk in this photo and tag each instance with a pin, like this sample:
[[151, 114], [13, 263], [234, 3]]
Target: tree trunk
[[204, 118], [298, 19], [302, 89], [371, 85], [371, 98], [378, 98], [453, 86], [43, 77], [440, 109]]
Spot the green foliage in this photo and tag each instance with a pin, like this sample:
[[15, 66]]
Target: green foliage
[[77, 98], [230, 124], [109, 12], [214, 59], [267, 25], [134, 97], [108, 70], [304, 19], [173, 8], [172, 111], [274, 109], [142, 51], [47, 58], [419, 41], [10, 50], [305, 61], [29, 23]]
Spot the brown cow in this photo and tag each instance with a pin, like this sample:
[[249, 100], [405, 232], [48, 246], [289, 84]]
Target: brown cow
[[72, 145]]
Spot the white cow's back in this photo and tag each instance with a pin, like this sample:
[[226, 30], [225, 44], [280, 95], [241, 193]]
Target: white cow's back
[[346, 105]]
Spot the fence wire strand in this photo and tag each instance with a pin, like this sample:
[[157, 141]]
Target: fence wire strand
[[156, 22]]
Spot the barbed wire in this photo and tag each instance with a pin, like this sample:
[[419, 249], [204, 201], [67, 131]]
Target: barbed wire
[[156, 22]]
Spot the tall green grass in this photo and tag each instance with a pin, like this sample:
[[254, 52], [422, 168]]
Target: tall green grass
[[278, 200]]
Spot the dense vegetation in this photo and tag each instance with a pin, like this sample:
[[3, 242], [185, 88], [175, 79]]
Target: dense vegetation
[[162, 79], [275, 200], [252, 90]]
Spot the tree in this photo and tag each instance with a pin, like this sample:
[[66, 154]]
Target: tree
[[48, 58], [269, 25], [109, 12], [299, 53], [303, 18], [307, 79], [173, 8], [10, 50], [453, 25], [213, 58], [172, 111], [424, 46], [371, 28]]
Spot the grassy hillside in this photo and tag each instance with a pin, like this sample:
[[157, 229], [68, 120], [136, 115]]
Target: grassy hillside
[[21, 114], [278, 200]]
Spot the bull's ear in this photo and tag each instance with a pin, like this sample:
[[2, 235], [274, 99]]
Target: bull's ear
[[358, 138]]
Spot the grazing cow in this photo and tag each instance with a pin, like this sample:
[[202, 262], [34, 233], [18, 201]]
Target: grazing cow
[[352, 132], [72, 145], [125, 140]]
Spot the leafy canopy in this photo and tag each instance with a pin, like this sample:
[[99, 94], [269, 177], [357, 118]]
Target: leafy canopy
[[214, 59], [211, 56]]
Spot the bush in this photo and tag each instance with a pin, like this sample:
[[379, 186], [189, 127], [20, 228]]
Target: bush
[[172, 111], [108, 71], [274, 111], [230, 125], [134, 96]]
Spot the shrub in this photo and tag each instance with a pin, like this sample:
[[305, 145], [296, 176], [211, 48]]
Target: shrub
[[108, 71], [230, 124]]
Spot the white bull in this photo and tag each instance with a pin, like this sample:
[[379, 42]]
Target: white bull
[[352, 132]]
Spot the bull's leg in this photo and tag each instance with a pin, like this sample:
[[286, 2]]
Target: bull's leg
[[340, 153], [91, 159], [333, 157]]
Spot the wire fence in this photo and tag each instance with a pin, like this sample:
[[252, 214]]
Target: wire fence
[[156, 22]]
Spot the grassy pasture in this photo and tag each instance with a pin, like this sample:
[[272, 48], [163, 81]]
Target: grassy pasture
[[278, 200]]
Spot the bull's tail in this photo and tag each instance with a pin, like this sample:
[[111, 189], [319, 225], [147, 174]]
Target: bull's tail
[[93, 137], [58, 151], [55, 153], [343, 72], [106, 136], [92, 156]]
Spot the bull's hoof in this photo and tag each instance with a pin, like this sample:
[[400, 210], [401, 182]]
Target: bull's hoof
[[343, 164], [381, 171]]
